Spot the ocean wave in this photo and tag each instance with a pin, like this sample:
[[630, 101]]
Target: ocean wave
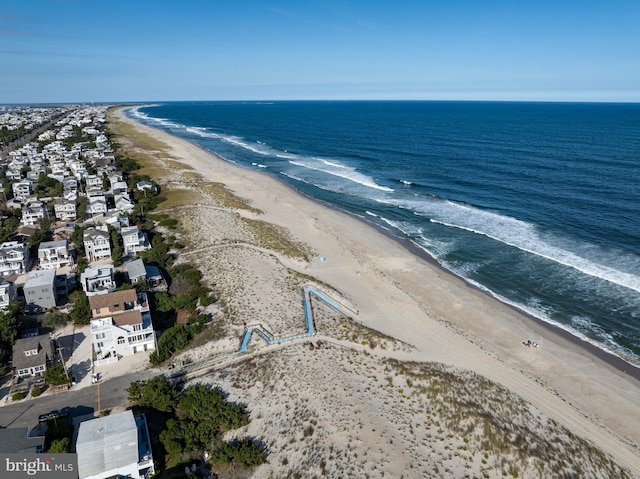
[[619, 268], [346, 172]]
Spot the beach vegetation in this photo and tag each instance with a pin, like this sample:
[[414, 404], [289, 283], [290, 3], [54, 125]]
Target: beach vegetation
[[172, 340], [10, 324], [56, 375], [156, 393], [9, 225], [226, 198], [47, 186], [58, 435], [198, 417], [54, 319], [277, 239], [81, 312]]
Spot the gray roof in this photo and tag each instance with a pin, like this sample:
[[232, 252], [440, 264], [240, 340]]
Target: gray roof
[[107, 443], [136, 268], [39, 278], [53, 244], [15, 440], [41, 343]]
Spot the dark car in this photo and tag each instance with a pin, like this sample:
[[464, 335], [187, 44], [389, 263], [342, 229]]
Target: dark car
[[55, 414]]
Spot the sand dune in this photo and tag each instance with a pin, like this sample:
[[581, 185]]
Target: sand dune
[[402, 384]]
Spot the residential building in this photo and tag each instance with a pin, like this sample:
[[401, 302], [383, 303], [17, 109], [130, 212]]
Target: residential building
[[98, 280], [134, 240], [96, 244], [7, 293], [32, 355], [121, 324], [96, 205], [64, 209], [14, 258], [94, 181], [151, 275], [32, 213], [54, 254], [17, 440], [124, 204], [117, 445], [146, 185], [22, 189], [40, 290]]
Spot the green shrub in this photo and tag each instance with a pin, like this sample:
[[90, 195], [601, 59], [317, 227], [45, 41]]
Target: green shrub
[[36, 391], [18, 396]]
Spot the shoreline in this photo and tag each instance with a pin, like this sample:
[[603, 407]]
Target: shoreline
[[558, 333], [409, 296]]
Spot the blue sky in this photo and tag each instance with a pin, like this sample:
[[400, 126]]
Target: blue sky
[[142, 50]]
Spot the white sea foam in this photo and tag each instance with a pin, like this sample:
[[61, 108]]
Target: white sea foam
[[342, 171], [526, 237]]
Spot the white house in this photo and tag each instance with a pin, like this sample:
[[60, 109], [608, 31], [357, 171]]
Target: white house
[[117, 445], [7, 293], [124, 204], [32, 213], [65, 210], [121, 324], [54, 254], [14, 257], [134, 240], [22, 189], [97, 205], [98, 280], [94, 181], [96, 244]]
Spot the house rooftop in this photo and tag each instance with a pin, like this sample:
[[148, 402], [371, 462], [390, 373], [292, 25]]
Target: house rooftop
[[41, 277], [16, 440], [53, 244], [136, 268], [114, 301], [107, 444]]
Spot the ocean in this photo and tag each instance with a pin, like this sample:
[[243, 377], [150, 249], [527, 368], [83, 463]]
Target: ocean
[[535, 203]]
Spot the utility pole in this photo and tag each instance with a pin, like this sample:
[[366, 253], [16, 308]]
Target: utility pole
[[64, 366]]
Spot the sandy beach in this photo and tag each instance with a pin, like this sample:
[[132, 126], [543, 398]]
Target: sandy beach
[[364, 400]]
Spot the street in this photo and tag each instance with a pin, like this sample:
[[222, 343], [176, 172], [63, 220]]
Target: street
[[83, 401]]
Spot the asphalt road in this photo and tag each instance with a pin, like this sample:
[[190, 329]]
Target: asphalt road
[[108, 394]]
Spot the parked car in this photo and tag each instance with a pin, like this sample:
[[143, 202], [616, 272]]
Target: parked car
[[55, 414]]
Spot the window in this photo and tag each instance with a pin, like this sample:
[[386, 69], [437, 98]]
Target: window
[[121, 340], [137, 327], [101, 336]]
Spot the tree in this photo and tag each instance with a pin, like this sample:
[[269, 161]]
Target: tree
[[56, 375], [60, 446], [81, 313], [55, 318], [157, 393]]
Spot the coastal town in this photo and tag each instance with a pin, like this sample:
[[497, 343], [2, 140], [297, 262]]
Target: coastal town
[[166, 313], [73, 282]]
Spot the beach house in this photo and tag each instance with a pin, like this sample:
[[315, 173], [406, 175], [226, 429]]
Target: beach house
[[134, 240], [98, 280], [121, 325], [40, 290], [54, 254], [14, 258], [32, 355], [117, 445], [96, 243]]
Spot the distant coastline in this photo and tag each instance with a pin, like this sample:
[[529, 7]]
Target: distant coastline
[[614, 359]]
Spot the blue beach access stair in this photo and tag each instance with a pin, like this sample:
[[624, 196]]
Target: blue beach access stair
[[270, 339]]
